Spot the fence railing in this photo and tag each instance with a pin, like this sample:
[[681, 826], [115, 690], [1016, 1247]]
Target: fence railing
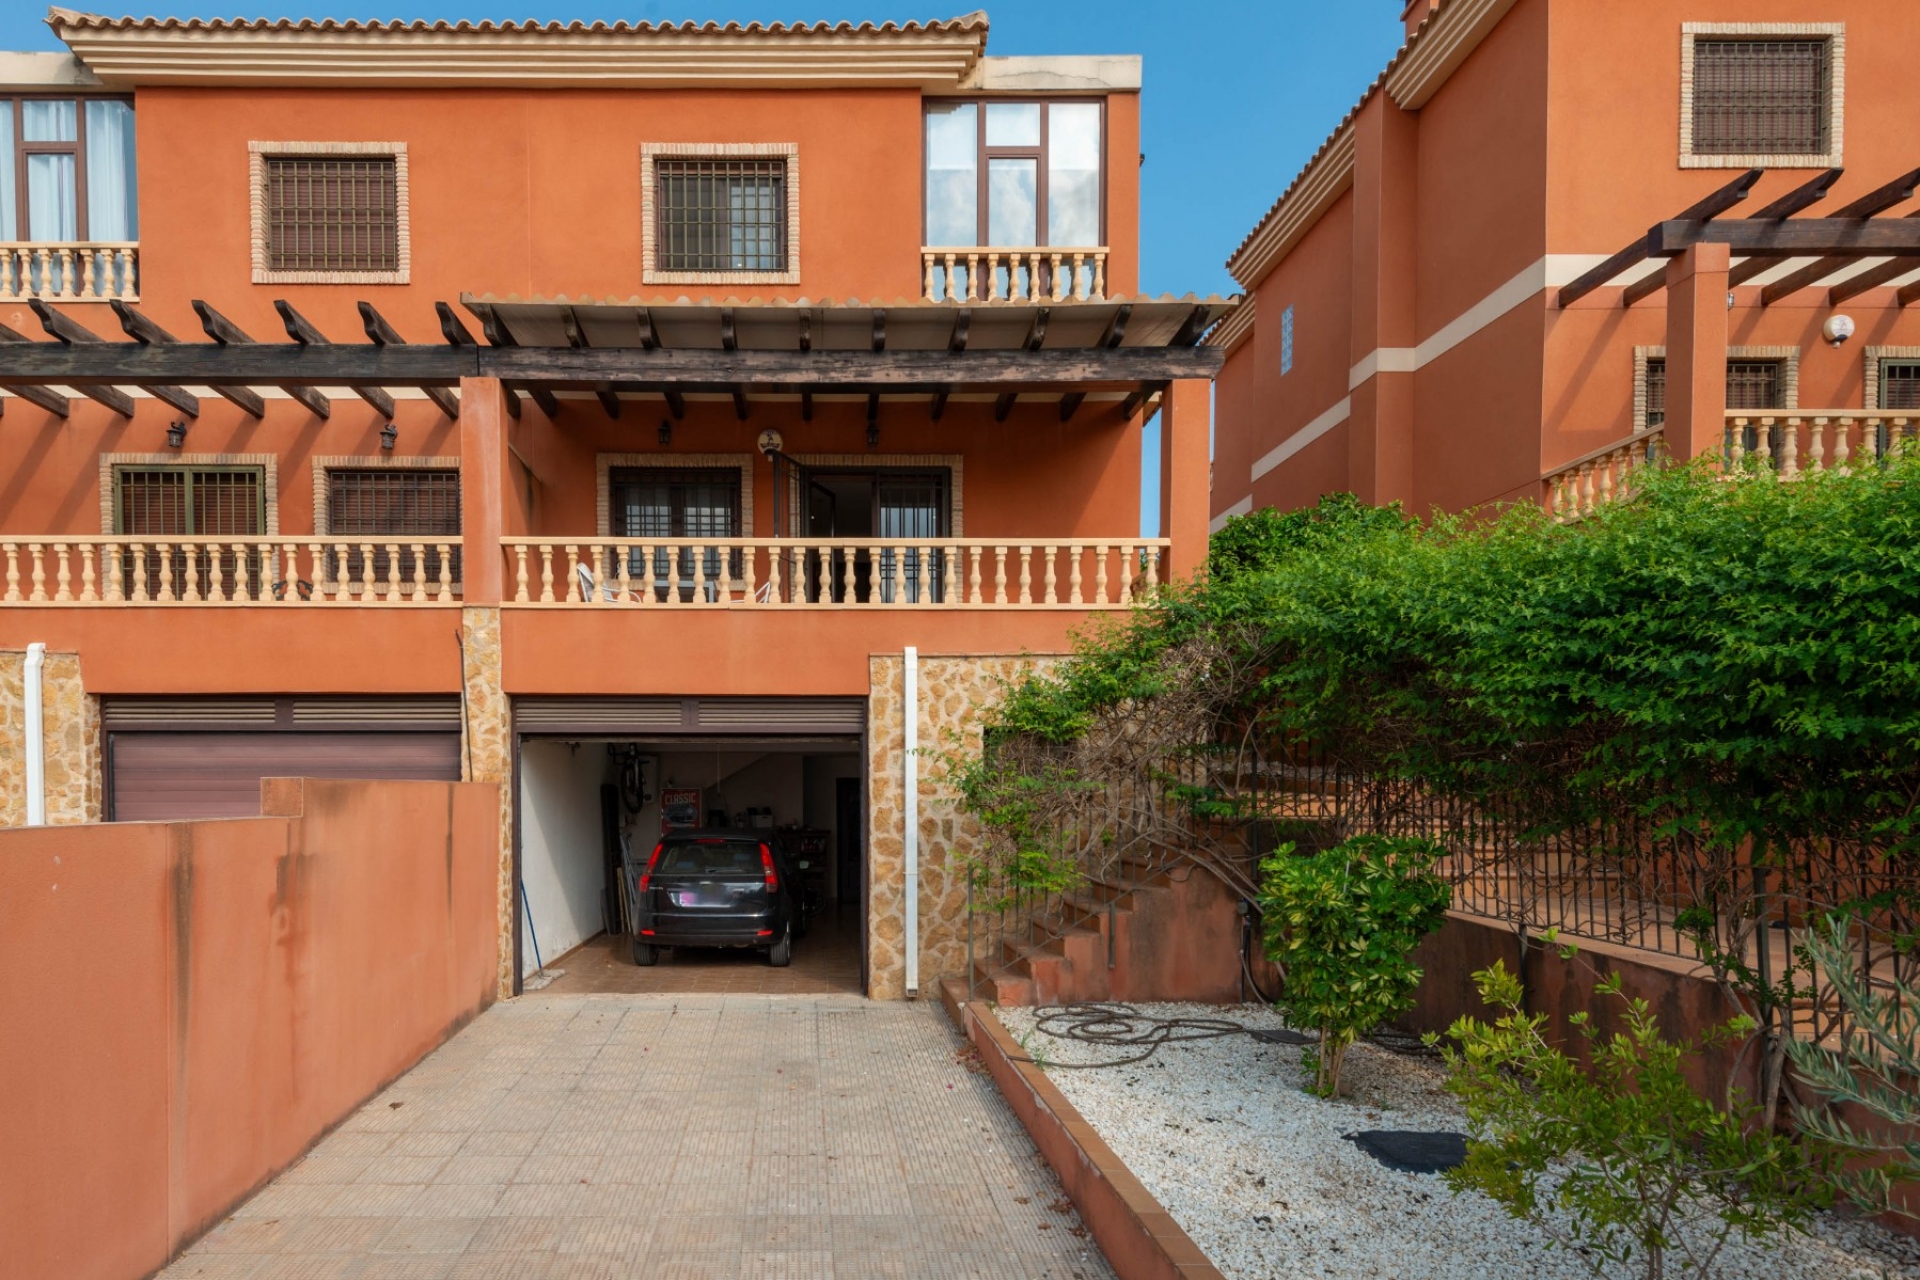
[[1026, 273], [1800, 441], [215, 570], [1583, 485], [844, 572], [70, 271]]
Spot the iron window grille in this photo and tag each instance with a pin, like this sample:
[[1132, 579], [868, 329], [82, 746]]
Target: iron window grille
[[1656, 391], [165, 503], [1769, 97], [675, 503], [332, 213], [396, 504], [720, 215], [1900, 384], [1751, 384]]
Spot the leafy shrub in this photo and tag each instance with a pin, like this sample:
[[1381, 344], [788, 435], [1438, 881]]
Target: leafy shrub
[[1640, 1163], [1874, 1069], [1343, 925]]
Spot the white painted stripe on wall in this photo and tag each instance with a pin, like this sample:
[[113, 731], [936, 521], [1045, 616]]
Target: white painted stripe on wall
[[1239, 508], [1304, 437], [1381, 360]]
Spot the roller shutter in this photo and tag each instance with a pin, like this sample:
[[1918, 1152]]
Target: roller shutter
[[690, 717]]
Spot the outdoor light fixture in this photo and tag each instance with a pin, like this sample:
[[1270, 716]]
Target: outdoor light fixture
[[176, 434], [389, 434], [1837, 330], [666, 432], [873, 435]]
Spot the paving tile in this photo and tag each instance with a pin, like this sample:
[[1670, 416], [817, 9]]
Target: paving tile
[[471, 1168], [429, 1235], [334, 1235], [216, 1266]]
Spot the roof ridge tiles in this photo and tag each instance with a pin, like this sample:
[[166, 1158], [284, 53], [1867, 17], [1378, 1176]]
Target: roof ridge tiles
[[59, 17]]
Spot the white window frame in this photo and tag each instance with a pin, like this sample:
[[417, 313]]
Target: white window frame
[[652, 151], [257, 153], [1835, 33]]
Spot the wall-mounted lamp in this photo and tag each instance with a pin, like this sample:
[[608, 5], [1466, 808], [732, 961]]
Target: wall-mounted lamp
[[389, 436], [176, 434], [666, 432], [873, 435]]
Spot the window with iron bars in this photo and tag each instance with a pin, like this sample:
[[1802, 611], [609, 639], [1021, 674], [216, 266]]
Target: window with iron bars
[[1768, 96], [1751, 384], [332, 213], [674, 503], [1900, 384], [720, 215], [166, 503], [403, 505]]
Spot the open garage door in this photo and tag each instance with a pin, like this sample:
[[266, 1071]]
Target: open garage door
[[173, 758]]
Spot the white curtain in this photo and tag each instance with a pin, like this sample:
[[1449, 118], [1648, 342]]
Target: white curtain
[[9, 223], [52, 212], [112, 212]]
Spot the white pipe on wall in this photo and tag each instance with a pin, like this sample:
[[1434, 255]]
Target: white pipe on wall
[[910, 713], [36, 737]]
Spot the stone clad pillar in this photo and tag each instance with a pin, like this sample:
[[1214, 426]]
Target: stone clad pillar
[[1697, 352], [1185, 416], [70, 725]]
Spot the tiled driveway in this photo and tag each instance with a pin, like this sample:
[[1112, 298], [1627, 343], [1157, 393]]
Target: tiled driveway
[[797, 1138]]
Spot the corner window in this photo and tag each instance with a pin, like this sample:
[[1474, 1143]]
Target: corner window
[[329, 212], [725, 214], [1760, 94], [1015, 174], [68, 174]]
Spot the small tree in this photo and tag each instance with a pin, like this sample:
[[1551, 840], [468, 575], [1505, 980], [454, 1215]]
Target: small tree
[[1342, 925], [1874, 1069], [1622, 1145]]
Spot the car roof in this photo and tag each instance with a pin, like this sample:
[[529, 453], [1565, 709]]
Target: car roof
[[716, 833]]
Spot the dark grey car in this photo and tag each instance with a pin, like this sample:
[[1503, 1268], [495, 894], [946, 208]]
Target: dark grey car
[[713, 889]]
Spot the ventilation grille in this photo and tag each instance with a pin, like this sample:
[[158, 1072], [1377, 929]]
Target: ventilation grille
[[846, 715], [174, 711], [436, 711], [439, 712], [689, 715], [612, 715]]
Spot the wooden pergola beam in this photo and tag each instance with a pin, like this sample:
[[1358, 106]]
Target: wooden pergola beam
[[226, 333], [144, 330], [302, 331], [1873, 278], [1637, 252], [1813, 273], [501, 338], [382, 334], [577, 339], [69, 332], [52, 401], [103, 393], [1070, 404], [1795, 238], [1801, 197]]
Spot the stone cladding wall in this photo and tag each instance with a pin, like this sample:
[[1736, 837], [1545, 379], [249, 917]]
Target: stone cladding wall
[[71, 723], [956, 692], [487, 754]]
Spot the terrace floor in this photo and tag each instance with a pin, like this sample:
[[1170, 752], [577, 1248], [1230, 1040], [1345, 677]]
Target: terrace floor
[[698, 1135]]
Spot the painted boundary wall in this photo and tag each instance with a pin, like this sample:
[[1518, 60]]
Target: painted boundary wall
[[189, 1006]]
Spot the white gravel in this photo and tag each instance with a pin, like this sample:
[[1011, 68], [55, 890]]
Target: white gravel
[[1253, 1167]]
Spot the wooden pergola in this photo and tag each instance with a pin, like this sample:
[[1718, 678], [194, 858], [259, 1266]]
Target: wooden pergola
[[1122, 350], [1772, 236]]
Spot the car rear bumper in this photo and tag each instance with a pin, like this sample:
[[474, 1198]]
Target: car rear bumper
[[733, 931]]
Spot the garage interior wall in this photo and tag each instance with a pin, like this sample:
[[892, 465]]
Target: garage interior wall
[[823, 773], [560, 849]]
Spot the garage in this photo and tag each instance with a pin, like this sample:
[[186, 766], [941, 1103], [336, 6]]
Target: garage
[[174, 758], [602, 781]]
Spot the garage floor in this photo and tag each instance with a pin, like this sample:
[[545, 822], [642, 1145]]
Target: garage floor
[[827, 960], [593, 1137]]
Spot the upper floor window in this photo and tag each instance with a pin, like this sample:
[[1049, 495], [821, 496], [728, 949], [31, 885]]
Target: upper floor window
[[1756, 94], [720, 213], [1011, 174], [1286, 342], [417, 507], [329, 212], [69, 170]]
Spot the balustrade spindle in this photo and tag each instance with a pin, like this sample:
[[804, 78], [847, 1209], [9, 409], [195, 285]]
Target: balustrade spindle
[[847, 595], [165, 552], [1790, 449], [63, 576], [13, 572], [520, 575], [546, 575], [749, 586], [36, 557], [366, 573], [949, 577], [419, 553], [573, 575], [137, 562], [1073, 573], [1100, 573], [1153, 572], [1129, 565], [1026, 575], [999, 575], [86, 573], [973, 575]]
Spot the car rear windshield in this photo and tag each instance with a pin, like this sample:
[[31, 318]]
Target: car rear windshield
[[715, 857]]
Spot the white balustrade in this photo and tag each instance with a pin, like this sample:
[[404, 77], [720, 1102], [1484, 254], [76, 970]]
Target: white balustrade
[[1020, 274], [135, 569], [70, 271], [1796, 442], [1581, 486], [860, 573]]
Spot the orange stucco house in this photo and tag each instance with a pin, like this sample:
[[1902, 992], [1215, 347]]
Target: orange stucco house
[[1556, 235], [668, 421]]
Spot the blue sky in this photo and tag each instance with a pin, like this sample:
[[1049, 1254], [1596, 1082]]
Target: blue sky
[[1238, 93]]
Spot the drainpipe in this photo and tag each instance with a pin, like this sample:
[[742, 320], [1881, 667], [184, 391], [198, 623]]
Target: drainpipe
[[36, 738], [910, 709]]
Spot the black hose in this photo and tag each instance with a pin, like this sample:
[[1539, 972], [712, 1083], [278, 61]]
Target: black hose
[[1123, 1026]]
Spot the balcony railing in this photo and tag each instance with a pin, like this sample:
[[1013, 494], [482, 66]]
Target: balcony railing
[[840, 572], [1791, 442], [70, 271], [252, 571], [1023, 274]]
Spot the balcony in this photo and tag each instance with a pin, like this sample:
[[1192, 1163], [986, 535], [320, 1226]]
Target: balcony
[[1023, 274], [229, 571], [779, 573], [70, 270]]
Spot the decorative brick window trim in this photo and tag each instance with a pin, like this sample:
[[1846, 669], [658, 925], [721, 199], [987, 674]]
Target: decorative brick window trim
[[1789, 375], [323, 491], [269, 464], [604, 463], [1872, 358], [649, 209], [955, 465], [257, 153], [1835, 34]]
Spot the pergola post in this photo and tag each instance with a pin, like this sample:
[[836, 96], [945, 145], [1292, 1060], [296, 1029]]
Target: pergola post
[[1185, 411], [1697, 335], [483, 489]]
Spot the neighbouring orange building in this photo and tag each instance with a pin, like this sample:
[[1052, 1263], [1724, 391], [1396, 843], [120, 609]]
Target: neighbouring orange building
[[1440, 309], [627, 414]]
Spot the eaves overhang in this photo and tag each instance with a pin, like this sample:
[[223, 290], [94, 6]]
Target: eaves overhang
[[130, 52]]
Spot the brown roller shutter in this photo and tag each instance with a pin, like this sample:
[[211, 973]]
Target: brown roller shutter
[[168, 776]]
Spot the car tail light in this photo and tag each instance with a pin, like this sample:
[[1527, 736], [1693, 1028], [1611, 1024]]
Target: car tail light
[[765, 933], [652, 862], [646, 933], [766, 864]]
